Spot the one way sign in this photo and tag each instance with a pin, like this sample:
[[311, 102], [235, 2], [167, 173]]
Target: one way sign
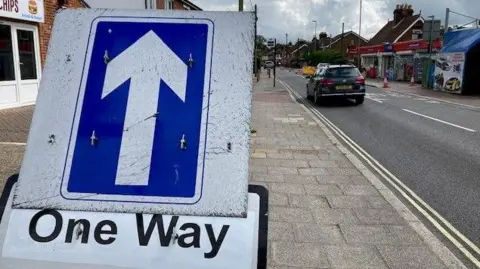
[[130, 126], [142, 111]]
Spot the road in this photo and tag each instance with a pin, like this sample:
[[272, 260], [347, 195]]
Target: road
[[432, 147]]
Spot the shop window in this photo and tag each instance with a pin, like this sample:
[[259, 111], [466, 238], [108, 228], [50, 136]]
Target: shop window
[[7, 71], [168, 4], [62, 3], [26, 51]]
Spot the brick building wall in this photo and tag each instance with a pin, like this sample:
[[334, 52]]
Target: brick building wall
[[45, 29], [408, 35], [176, 5], [347, 41]]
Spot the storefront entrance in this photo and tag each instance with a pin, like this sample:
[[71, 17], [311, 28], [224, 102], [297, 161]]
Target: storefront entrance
[[19, 64]]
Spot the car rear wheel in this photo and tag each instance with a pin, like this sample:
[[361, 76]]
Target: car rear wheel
[[359, 100], [316, 97], [309, 97]]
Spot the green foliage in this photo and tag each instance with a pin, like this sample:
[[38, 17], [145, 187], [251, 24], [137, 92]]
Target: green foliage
[[326, 56], [261, 43]]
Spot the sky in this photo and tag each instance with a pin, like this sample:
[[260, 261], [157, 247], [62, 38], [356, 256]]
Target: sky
[[294, 17]]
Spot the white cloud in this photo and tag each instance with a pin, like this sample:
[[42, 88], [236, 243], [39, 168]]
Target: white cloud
[[278, 17]]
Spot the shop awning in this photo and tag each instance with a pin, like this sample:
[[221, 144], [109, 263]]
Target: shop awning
[[461, 41]]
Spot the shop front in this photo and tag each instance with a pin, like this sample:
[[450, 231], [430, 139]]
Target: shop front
[[399, 61], [20, 63], [371, 60]]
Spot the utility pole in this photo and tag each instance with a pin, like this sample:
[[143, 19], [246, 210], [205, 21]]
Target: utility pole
[[285, 50], [341, 43], [359, 36], [240, 5], [274, 62], [255, 67], [447, 17], [430, 39], [315, 35]]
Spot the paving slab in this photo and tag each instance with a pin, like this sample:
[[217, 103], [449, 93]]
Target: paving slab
[[355, 257]]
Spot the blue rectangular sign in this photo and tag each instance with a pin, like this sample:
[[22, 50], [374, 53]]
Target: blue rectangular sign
[[142, 123]]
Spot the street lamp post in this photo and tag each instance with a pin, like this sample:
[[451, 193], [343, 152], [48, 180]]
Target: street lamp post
[[359, 35], [315, 35], [285, 50]]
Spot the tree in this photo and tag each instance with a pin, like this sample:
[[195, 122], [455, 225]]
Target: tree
[[300, 42], [261, 43], [326, 56], [261, 39]]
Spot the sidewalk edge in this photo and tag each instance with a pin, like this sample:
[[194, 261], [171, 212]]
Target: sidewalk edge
[[440, 250]]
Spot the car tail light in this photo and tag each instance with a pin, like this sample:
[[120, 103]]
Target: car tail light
[[360, 80], [326, 82]]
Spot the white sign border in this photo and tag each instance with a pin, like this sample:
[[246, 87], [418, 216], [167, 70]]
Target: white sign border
[[78, 111]]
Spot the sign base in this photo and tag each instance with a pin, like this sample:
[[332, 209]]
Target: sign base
[[54, 239]]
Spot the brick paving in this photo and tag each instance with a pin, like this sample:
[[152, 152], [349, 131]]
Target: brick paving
[[15, 124], [10, 161], [323, 211]]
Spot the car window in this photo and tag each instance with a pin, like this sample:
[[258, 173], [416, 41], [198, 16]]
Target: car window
[[321, 72], [343, 72]]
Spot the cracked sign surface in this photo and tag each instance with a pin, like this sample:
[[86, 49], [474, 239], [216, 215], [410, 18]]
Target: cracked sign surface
[[150, 120]]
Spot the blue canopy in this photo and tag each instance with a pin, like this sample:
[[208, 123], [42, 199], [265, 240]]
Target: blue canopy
[[460, 41]]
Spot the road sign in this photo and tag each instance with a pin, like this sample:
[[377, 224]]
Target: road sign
[[92, 240], [271, 43], [435, 31], [142, 111]]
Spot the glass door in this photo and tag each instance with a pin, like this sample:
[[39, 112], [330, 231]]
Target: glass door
[[28, 64], [19, 64], [8, 82]]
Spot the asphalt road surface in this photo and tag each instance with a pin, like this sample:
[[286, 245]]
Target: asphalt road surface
[[432, 147]]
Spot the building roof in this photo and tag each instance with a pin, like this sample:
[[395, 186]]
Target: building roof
[[392, 33], [338, 37], [461, 41], [190, 5]]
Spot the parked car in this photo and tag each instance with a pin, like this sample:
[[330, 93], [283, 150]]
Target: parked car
[[268, 64], [339, 81], [320, 65]]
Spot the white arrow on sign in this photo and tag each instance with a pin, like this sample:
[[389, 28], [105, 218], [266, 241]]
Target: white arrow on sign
[[148, 61]]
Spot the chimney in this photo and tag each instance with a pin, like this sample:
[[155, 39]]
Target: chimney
[[401, 12]]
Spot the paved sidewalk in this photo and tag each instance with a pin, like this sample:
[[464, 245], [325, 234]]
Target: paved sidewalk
[[417, 90], [15, 124], [323, 211]]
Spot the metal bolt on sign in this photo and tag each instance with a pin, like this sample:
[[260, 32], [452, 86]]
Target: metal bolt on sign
[[106, 59], [183, 143], [93, 139], [190, 60]]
